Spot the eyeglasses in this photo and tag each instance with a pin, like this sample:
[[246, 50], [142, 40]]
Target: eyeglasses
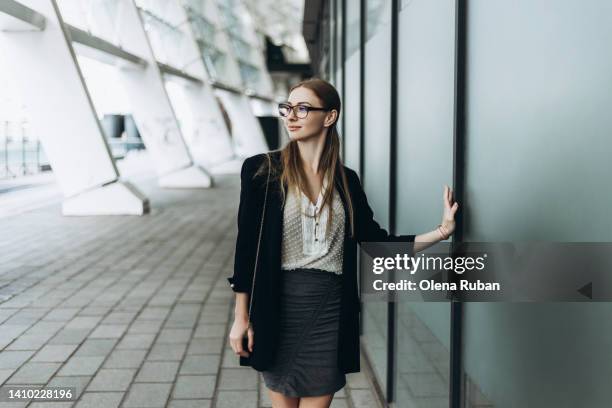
[[300, 111]]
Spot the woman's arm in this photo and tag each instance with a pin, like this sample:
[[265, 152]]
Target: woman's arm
[[244, 256], [241, 325], [248, 223], [426, 239], [367, 229], [445, 229]]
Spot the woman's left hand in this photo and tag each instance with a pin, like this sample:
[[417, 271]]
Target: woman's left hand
[[448, 218]]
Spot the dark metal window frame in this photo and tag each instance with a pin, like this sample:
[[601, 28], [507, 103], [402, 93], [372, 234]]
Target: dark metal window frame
[[456, 308], [362, 34], [459, 131], [392, 306], [343, 76]]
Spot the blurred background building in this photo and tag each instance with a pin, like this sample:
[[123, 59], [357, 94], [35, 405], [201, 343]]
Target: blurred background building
[[507, 102], [193, 83]]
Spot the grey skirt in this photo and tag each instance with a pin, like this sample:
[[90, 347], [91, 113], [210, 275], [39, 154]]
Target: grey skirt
[[306, 363]]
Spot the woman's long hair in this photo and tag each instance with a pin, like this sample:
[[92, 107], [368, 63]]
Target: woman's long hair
[[292, 171]]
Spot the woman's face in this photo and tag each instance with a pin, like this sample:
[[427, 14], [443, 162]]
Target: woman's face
[[316, 120]]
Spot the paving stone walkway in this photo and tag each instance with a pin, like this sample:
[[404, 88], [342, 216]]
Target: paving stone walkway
[[130, 311]]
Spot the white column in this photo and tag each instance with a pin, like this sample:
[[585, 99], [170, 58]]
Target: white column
[[246, 130], [43, 64], [152, 110], [209, 141]]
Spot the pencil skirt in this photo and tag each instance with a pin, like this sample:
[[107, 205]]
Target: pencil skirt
[[306, 361]]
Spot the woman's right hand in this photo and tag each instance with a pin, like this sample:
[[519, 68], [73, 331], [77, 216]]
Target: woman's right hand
[[236, 334]]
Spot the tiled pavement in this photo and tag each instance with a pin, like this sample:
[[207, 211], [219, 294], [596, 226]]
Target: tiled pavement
[[131, 311]]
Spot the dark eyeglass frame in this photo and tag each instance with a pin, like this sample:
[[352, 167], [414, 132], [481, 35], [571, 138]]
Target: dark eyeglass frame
[[295, 112]]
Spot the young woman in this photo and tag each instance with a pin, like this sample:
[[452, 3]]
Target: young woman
[[295, 269]]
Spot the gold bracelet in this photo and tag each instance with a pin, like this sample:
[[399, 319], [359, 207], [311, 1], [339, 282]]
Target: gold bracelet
[[441, 230]]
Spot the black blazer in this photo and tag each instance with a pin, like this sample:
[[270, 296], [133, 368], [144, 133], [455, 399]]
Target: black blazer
[[264, 313]]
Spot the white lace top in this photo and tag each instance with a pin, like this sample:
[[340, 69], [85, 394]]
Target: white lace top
[[306, 243]]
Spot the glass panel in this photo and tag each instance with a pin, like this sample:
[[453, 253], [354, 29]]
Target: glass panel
[[352, 111], [378, 16], [333, 44], [214, 61], [339, 57], [169, 43], [423, 359], [375, 325], [425, 147], [203, 28], [98, 17], [376, 164], [246, 45], [538, 152], [209, 26]]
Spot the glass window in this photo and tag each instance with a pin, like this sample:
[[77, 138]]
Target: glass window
[[377, 105], [352, 109], [538, 152], [426, 41]]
